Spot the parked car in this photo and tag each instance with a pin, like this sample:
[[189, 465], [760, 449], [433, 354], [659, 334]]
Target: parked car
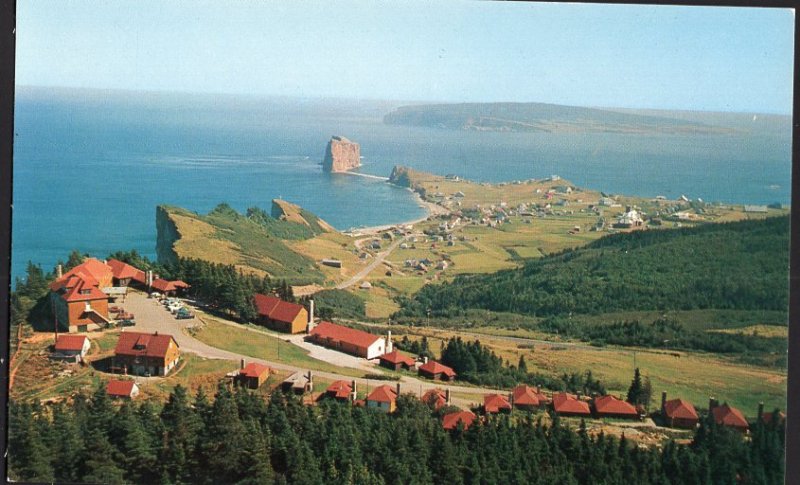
[[115, 309], [155, 295], [183, 313], [126, 323], [174, 307]]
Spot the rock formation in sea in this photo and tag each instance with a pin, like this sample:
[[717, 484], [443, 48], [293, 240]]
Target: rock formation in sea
[[341, 155]]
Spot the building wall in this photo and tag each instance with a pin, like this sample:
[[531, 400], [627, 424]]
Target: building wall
[[387, 407], [376, 349], [76, 310], [683, 423], [298, 325]]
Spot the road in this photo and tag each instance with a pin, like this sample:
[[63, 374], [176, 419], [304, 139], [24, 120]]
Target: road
[[378, 259], [153, 317]]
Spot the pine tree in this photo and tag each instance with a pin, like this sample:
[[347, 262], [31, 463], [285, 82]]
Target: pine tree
[[100, 460], [635, 390], [522, 366], [28, 457]]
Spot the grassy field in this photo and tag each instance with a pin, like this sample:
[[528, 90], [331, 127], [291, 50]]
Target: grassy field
[[263, 346]]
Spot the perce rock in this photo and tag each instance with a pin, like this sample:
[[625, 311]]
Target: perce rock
[[341, 155]]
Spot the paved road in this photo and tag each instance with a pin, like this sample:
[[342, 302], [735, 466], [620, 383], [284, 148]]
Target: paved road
[[152, 316]]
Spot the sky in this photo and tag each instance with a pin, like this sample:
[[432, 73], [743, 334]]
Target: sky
[[631, 56]]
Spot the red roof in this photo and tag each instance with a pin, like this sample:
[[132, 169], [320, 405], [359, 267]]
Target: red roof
[[612, 405], [120, 388], [451, 420], [728, 416], [436, 397], [136, 344], [277, 309], [567, 403], [494, 403], [680, 408], [163, 285], [767, 417], [433, 368], [92, 271], [338, 333], [341, 389], [70, 342], [395, 357], [525, 396], [384, 393], [79, 285], [122, 270], [254, 369]]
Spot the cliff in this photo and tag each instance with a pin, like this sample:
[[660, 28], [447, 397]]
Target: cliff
[[166, 236], [286, 211], [341, 155]]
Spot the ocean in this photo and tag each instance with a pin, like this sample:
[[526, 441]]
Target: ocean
[[90, 167]]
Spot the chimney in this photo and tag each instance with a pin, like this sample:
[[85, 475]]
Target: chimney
[[398, 389], [760, 410], [712, 403], [354, 391], [241, 364], [447, 396], [59, 271], [425, 360], [663, 401], [511, 399], [310, 315], [310, 383], [389, 346]]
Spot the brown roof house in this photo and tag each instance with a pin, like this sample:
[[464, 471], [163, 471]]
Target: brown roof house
[[72, 348], [146, 354], [612, 407], [252, 375], [281, 315], [341, 391]]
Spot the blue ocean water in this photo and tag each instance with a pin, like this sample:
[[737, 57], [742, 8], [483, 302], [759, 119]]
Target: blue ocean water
[[91, 166]]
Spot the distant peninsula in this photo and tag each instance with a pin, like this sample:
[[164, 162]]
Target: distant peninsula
[[541, 117], [341, 155]]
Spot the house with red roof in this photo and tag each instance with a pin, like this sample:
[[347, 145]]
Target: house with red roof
[[395, 360], [766, 418], [145, 353], [169, 288], [729, 416], [568, 405], [341, 390], [678, 413], [252, 375], [280, 315], [495, 403], [122, 389], [451, 421], [78, 304], [383, 398], [612, 407], [71, 347], [436, 371], [525, 398], [436, 398], [124, 274], [348, 340]]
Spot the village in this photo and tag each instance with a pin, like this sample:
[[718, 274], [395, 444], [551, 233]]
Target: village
[[151, 319]]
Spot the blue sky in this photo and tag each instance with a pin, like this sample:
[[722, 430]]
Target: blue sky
[[701, 58]]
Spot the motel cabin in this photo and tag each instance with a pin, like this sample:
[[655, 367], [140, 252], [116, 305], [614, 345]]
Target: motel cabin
[[451, 421], [281, 315], [169, 288], [146, 354], [612, 407], [525, 398], [125, 275], [436, 371], [495, 403], [383, 398], [568, 405], [728, 416], [71, 348], [350, 340], [678, 413], [436, 398], [341, 391], [117, 389], [394, 360], [252, 375]]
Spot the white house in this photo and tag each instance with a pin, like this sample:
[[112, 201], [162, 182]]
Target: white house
[[71, 347]]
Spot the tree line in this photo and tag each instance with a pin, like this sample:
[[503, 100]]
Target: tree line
[[243, 438]]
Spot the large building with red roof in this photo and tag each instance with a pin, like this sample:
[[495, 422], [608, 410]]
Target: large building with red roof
[[349, 340], [452, 420], [612, 407], [678, 413], [253, 375], [568, 405], [281, 315], [125, 274], [383, 398], [495, 403], [731, 417], [436, 371], [144, 353], [78, 303]]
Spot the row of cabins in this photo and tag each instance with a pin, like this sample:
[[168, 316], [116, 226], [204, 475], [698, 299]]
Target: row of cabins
[[79, 299]]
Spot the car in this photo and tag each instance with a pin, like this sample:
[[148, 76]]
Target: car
[[126, 323], [180, 315], [155, 295]]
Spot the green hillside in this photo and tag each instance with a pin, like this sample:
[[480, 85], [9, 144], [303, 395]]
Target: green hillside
[[740, 266]]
